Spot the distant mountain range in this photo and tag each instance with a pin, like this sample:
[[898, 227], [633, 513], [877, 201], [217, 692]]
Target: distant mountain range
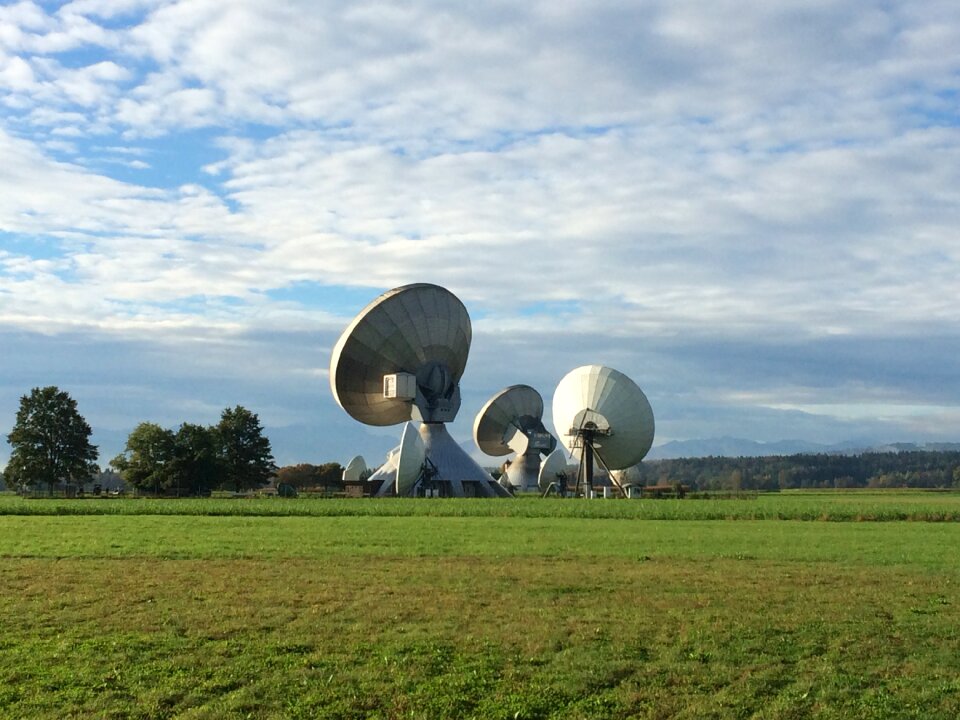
[[739, 447]]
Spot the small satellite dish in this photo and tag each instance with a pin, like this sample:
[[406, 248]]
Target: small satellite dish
[[512, 421], [355, 469], [600, 412], [410, 460], [383, 481], [401, 359], [627, 479], [553, 473]]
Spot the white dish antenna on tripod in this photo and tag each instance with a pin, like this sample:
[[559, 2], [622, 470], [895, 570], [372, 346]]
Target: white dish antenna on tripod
[[512, 421], [401, 359], [602, 414]]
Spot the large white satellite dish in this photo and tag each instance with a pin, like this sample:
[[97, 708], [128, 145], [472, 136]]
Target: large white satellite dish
[[601, 413], [512, 421], [401, 359]]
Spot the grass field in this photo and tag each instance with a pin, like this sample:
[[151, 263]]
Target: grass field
[[856, 505], [486, 609]]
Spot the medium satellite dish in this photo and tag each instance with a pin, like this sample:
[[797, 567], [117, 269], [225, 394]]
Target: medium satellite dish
[[401, 359], [553, 470], [512, 421], [355, 469], [600, 412]]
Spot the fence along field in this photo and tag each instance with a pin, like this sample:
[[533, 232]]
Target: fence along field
[[462, 613]]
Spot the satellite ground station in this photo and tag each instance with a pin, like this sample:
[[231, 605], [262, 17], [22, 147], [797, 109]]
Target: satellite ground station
[[602, 415], [401, 360], [512, 421]]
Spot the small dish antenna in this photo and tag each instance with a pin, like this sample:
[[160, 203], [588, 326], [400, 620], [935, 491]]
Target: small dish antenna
[[355, 469], [383, 479], [629, 480], [512, 421], [553, 474], [601, 413], [402, 359]]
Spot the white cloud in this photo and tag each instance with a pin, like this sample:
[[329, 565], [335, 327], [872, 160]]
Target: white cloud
[[20, 16], [27, 27], [16, 74], [89, 85]]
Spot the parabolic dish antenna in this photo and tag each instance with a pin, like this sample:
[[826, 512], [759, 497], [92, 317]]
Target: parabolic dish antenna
[[628, 479], [512, 421], [629, 476], [410, 460], [553, 470], [355, 469], [600, 412], [401, 359]]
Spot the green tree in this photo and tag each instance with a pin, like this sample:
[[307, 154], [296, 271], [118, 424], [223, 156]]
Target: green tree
[[196, 465], [244, 450], [330, 476], [146, 461], [50, 441]]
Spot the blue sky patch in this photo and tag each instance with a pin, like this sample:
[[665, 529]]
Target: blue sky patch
[[337, 299]]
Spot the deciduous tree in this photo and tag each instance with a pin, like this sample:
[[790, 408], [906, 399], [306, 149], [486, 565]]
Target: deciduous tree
[[196, 465], [146, 461], [330, 475], [50, 441], [244, 450]]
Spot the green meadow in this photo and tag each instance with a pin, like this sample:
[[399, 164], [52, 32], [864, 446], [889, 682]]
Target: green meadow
[[830, 605], [852, 505]]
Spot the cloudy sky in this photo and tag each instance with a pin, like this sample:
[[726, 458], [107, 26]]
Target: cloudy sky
[[752, 209]]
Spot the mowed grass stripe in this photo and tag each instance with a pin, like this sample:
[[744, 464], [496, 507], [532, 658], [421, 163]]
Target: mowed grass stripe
[[922, 545], [343, 636]]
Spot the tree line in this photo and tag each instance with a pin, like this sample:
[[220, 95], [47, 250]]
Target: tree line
[[916, 469], [326, 477], [51, 445], [233, 454]]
